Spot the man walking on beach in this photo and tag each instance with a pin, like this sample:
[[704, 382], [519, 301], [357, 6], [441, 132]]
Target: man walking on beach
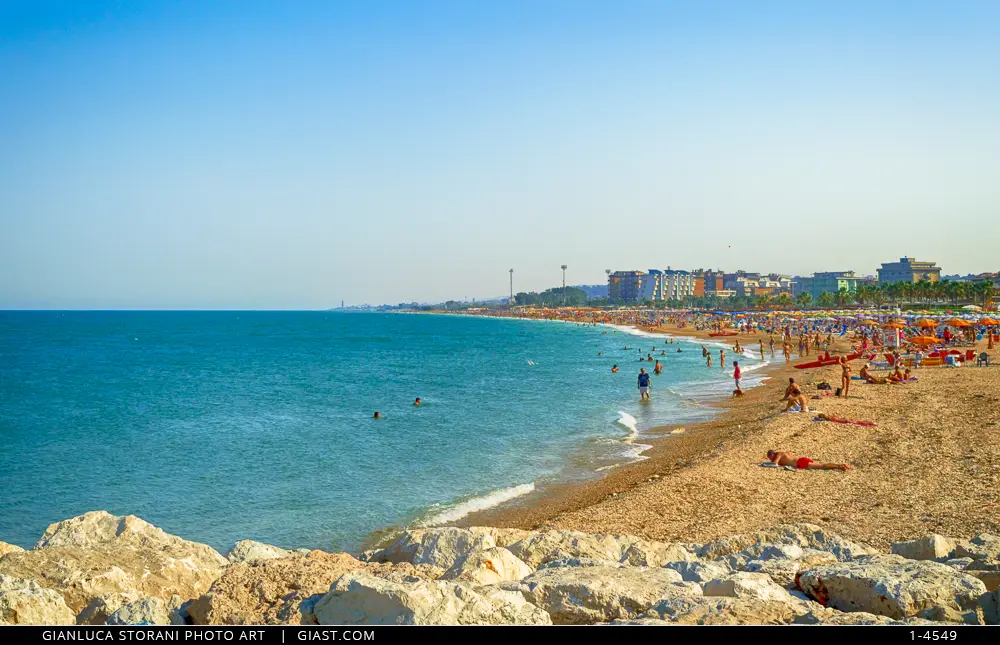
[[643, 384]]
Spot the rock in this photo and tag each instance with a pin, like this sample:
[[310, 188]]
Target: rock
[[488, 566], [501, 537], [97, 554], [986, 570], [749, 586], [581, 562], [547, 546], [9, 548], [829, 617], [802, 535], [586, 595], [959, 563], [250, 551], [990, 605], [719, 610], [25, 602], [281, 591], [101, 607], [699, 571], [780, 552], [982, 547], [641, 621], [782, 572], [361, 599], [643, 553], [889, 585], [148, 611], [438, 547], [932, 547]]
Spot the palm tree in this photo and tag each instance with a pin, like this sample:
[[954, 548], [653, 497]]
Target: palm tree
[[985, 291], [861, 294], [878, 294], [826, 299], [764, 302], [843, 296], [785, 301], [804, 299]]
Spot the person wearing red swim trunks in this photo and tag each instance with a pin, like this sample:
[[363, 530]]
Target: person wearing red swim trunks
[[802, 463]]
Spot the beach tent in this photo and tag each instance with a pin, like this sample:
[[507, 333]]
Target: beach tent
[[972, 308]]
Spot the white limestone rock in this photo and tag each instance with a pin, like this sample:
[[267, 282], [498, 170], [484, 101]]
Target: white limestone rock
[[698, 571], [932, 547], [889, 585], [251, 551], [547, 546], [25, 602], [749, 586], [147, 611], [488, 566], [588, 595], [439, 547], [361, 599]]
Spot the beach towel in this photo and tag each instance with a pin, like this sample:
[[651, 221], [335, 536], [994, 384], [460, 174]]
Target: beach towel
[[771, 464]]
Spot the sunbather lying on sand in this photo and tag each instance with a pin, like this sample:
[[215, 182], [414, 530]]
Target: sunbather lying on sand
[[802, 463], [829, 417]]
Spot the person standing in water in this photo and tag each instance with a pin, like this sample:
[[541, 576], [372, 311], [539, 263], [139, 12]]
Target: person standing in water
[[643, 385], [761, 349], [772, 346], [736, 376], [658, 368], [722, 358], [708, 360]]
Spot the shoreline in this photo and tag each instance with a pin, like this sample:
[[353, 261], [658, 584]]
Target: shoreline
[[669, 450], [931, 465]]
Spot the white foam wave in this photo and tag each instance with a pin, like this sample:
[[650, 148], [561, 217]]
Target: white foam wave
[[627, 420], [460, 510], [631, 454]]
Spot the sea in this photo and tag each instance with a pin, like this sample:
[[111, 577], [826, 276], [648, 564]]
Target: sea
[[223, 426]]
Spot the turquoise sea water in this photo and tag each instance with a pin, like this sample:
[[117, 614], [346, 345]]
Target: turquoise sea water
[[221, 426]]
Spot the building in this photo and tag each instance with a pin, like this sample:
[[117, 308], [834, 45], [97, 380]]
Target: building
[[909, 270], [625, 287], [677, 285], [826, 282]]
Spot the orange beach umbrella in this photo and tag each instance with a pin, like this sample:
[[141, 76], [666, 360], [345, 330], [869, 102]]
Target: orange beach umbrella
[[958, 322], [989, 321], [893, 325], [927, 323], [924, 340]]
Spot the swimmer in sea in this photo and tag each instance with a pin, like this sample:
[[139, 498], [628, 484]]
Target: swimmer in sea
[[614, 369], [377, 416], [417, 402], [657, 368]]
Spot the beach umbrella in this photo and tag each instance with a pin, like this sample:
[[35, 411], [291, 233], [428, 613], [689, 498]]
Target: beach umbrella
[[893, 325], [924, 340], [988, 321], [958, 322], [927, 322], [972, 308]]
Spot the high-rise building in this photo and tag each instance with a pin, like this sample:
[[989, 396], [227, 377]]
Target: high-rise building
[[909, 270], [626, 286]]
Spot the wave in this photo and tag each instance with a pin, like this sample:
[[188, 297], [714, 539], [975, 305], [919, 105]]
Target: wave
[[474, 504], [628, 421], [631, 454]]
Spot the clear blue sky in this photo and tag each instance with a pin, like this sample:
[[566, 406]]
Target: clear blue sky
[[296, 154]]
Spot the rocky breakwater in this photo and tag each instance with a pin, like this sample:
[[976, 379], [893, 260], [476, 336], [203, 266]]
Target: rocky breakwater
[[98, 568]]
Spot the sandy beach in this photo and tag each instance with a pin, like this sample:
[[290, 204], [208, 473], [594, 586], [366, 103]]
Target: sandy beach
[[931, 464]]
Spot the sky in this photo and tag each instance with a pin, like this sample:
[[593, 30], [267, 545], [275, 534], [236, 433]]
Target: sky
[[293, 155]]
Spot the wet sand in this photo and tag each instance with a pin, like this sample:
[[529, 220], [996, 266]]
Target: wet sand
[[932, 464]]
